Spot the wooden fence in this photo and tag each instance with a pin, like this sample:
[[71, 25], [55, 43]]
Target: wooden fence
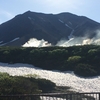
[[53, 96]]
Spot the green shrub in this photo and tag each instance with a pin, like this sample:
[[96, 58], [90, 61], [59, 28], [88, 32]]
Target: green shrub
[[74, 59], [23, 85], [85, 70]]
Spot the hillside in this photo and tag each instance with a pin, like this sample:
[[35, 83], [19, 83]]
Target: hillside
[[51, 28], [83, 60]]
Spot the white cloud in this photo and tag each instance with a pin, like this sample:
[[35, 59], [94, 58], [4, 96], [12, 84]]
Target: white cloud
[[5, 15]]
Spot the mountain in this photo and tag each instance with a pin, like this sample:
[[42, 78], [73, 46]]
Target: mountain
[[46, 28]]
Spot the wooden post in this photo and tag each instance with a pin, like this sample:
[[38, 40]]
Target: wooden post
[[70, 96], [99, 96], [66, 97]]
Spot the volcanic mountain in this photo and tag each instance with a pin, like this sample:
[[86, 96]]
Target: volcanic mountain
[[46, 27]]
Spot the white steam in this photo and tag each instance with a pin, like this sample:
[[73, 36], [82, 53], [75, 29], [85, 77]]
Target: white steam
[[36, 43], [81, 41], [73, 41]]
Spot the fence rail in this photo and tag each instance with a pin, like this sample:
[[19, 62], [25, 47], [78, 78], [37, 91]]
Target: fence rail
[[53, 96]]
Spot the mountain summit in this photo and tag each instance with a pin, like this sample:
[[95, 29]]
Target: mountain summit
[[45, 28]]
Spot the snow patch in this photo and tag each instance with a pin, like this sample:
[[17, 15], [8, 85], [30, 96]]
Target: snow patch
[[14, 39], [9, 42], [68, 26], [61, 21], [29, 18], [70, 23], [1, 41], [71, 34]]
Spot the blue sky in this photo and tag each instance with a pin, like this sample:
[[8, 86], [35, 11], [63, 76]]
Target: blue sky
[[88, 8]]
